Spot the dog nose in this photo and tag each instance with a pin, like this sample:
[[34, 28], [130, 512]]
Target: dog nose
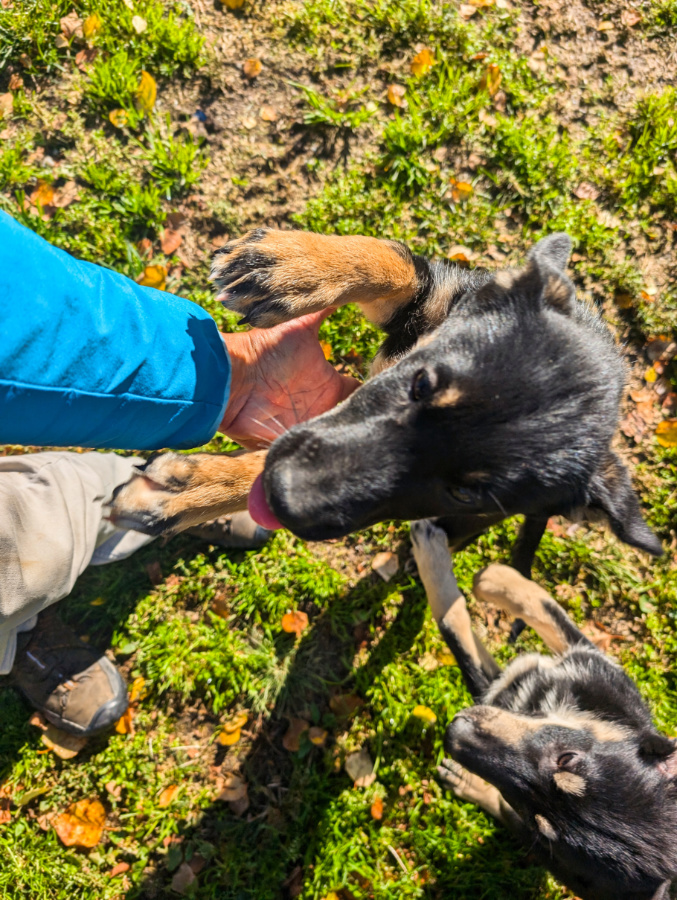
[[460, 732]]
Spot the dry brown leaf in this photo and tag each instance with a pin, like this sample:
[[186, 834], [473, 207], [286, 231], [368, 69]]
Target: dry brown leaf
[[491, 80], [170, 241], [377, 809], [623, 300], [119, 869], [125, 724], [16, 82], [169, 795], [666, 433], [38, 721], [630, 18], [480, 4], [146, 93], [460, 254], [605, 26], [396, 93], [269, 114], [235, 723], [61, 42], [385, 564], [466, 11], [360, 768], [460, 190], [294, 622], [318, 736], [345, 705], [233, 789], [487, 119], [118, 117], [292, 738], [183, 878], [327, 349], [71, 25], [6, 105], [422, 62], [65, 195], [61, 743], [586, 191], [85, 57], [139, 24], [252, 67], [81, 824], [153, 276]]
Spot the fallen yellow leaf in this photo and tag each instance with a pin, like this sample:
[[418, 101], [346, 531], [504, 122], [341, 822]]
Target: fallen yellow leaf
[[252, 67], [138, 690], [396, 94], [425, 714], [43, 195], [318, 736], [446, 659], [377, 809], [460, 190], [153, 276], [92, 25], [81, 824], [650, 375], [118, 117], [235, 723], [491, 80], [125, 724], [422, 62], [294, 622], [234, 4], [666, 433], [146, 93], [99, 601], [168, 795], [228, 738]]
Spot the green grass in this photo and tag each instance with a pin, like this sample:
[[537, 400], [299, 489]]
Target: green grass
[[208, 641]]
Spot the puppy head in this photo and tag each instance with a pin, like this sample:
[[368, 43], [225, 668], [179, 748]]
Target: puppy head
[[598, 801], [508, 407]]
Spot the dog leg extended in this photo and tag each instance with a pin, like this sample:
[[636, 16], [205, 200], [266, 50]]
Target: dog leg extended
[[505, 588], [175, 491], [474, 789], [448, 606]]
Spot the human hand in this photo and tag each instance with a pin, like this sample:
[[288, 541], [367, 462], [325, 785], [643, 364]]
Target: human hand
[[279, 377]]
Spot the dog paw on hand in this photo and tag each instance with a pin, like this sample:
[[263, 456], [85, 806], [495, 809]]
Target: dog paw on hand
[[270, 277]]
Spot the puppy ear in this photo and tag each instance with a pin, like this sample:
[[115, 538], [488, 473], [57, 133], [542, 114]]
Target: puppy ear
[[552, 251], [549, 257], [611, 493]]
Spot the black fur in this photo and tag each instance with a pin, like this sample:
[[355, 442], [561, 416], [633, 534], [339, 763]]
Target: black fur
[[539, 380], [617, 839]]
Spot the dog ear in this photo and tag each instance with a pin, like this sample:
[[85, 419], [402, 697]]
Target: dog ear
[[661, 751], [552, 251], [611, 493], [663, 892], [549, 258]]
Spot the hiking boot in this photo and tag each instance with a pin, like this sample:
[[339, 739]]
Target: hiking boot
[[238, 532], [71, 684]]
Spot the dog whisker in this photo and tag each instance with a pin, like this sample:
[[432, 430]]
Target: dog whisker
[[498, 503]]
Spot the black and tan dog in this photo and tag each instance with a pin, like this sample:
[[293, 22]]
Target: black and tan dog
[[492, 394], [560, 749]]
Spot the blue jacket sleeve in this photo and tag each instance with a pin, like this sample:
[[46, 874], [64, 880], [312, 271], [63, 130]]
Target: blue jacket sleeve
[[89, 358]]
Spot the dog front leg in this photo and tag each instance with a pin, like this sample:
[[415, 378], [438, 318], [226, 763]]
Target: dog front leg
[[448, 606], [474, 789], [272, 276], [505, 588], [174, 491]]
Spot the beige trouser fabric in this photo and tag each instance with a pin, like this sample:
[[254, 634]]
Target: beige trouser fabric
[[51, 529]]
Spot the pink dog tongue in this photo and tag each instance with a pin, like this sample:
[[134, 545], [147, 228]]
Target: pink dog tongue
[[259, 509]]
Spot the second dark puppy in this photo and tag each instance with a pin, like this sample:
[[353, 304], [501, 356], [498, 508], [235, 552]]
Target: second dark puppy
[[562, 749]]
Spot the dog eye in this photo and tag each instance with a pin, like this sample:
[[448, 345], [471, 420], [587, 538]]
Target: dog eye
[[422, 385], [565, 759], [462, 494]]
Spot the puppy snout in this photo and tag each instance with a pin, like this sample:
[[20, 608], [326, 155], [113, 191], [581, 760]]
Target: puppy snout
[[460, 732]]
